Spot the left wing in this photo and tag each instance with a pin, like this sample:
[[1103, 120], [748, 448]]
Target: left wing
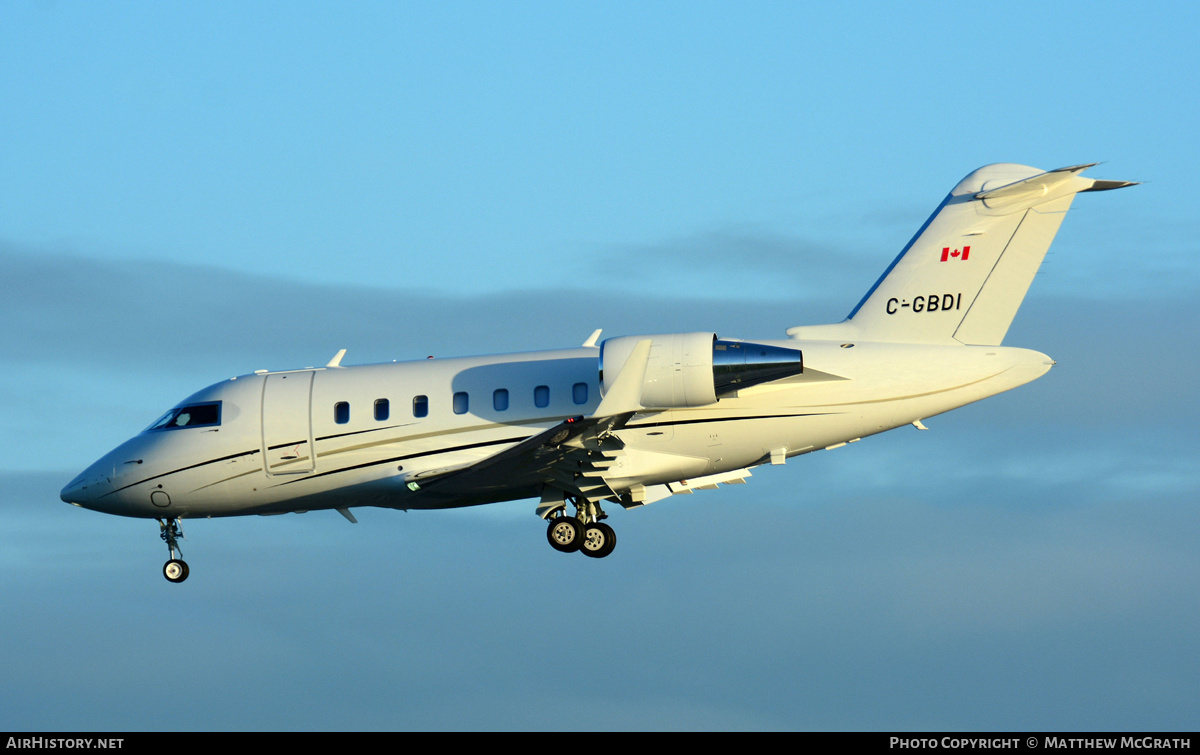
[[571, 456], [556, 455]]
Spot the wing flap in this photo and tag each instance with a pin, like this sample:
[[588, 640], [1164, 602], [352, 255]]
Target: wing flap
[[527, 462]]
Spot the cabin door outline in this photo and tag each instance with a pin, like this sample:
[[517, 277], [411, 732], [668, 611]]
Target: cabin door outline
[[287, 440]]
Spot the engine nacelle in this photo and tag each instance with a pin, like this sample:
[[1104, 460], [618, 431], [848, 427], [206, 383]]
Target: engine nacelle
[[679, 371], [695, 369]]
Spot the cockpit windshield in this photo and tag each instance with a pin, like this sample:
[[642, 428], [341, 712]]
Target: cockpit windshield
[[207, 414]]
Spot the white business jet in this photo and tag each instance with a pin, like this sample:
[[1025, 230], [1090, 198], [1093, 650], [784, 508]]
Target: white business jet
[[628, 420]]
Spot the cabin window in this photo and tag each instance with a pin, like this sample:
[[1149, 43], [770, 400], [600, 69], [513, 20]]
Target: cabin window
[[461, 402], [420, 406], [341, 412], [382, 409], [500, 399], [579, 393], [207, 414], [541, 396]]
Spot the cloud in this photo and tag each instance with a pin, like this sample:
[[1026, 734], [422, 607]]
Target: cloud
[[781, 604], [167, 317], [1039, 541], [747, 262], [148, 333], [144, 334]]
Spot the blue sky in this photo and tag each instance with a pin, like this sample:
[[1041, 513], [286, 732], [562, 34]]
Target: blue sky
[[195, 191]]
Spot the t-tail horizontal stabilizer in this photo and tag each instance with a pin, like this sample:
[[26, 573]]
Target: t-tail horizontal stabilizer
[[963, 276]]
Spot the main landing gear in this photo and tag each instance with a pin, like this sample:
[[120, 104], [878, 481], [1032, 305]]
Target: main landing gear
[[583, 532], [176, 569]]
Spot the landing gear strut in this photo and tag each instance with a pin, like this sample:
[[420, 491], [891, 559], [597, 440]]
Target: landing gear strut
[[582, 532], [176, 569]]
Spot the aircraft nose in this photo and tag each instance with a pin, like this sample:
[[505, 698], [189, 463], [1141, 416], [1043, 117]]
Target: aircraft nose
[[84, 489], [70, 493], [92, 488], [101, 487]]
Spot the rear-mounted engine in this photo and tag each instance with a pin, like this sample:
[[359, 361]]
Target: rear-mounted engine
[[696, 369]]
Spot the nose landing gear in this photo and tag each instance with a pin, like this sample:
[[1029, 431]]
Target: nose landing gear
[[176, 569]]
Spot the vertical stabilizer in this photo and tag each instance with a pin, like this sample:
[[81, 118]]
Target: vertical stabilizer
[[965, 273]]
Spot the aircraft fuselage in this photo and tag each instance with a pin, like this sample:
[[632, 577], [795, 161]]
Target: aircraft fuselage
[[352, 436]]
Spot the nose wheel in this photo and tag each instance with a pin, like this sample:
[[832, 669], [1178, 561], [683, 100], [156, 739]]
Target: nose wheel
[[176, 569]]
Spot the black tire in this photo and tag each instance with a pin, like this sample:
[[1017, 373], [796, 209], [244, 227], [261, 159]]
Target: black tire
[[611, 538], [565, 534], [598, 540], [175, 570]]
